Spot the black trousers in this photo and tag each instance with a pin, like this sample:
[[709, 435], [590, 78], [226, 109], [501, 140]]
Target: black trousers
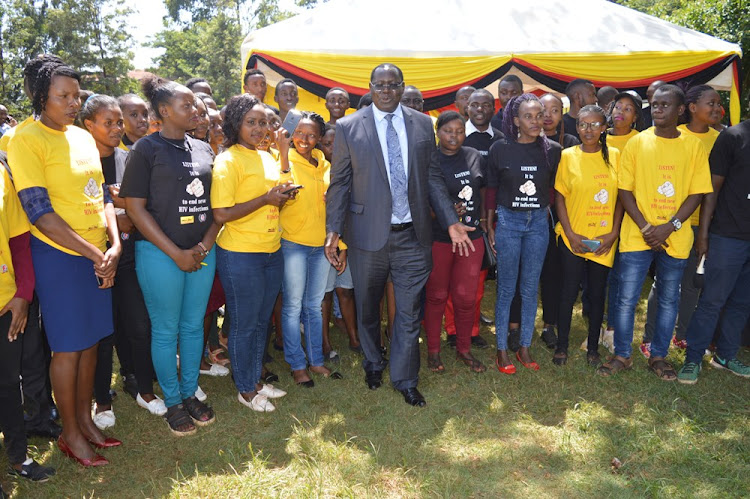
[[409, 264], [11, 412], [572, 273], [35, 371]]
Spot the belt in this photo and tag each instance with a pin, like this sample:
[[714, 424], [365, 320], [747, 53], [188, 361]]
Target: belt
[[401, 227]]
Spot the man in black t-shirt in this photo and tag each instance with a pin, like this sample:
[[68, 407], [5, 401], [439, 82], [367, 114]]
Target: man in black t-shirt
[[510, 86], [727, 252], [580, 93]]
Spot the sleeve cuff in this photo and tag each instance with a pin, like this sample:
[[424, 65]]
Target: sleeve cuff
[[35, 202]]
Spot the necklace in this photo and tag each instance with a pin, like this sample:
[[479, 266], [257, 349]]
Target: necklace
[[186, 147]]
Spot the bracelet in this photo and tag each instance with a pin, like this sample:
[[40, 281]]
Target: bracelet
[[645, 227], [205, 251], [286, 171]]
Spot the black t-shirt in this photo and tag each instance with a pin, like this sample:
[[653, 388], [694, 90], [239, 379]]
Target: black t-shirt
[[109, 170], [175, 178], [464, 178], [110, 166], [481, 141], [570, 126], [568, 140], [730, 158], [497, 120], [521, 174]]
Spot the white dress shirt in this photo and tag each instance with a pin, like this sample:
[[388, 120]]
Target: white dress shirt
[[470, 128], [381, 125]]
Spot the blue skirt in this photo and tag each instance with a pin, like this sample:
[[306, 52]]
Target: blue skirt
[[76, 313]]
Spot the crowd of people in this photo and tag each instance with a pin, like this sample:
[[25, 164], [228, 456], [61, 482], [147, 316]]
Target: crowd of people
[[132, 224]]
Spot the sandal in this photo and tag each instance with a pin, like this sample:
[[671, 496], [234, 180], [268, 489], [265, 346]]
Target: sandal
[[662, 369], [560, 358], [201, 413], [594, 359], [614, 365], [327, 373], [179, 421], [434, 363], [471, 361], [218, 356]]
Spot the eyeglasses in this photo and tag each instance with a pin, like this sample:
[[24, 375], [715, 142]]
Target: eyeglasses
[[386, 87], [590, 126]]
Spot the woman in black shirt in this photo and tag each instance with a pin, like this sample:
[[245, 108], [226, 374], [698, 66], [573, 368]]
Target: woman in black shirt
[[451, 272], [520, 174]]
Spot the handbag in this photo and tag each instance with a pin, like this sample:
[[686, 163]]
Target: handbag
[[489, 261]]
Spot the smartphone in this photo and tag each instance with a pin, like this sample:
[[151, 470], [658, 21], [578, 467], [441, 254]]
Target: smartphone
[[99, 280], [293, 188], [291, 121], [592, 244]]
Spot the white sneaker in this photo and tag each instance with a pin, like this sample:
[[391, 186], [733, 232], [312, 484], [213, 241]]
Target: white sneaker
[[155, 407], [608, 339], [259, 403], [104, 419], [200, 394], [216, 370], [269, 391]]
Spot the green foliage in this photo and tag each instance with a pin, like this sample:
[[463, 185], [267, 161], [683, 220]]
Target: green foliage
[[725, 19], [90, 35]]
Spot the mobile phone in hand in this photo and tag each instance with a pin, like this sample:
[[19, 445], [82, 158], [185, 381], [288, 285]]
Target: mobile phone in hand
[[293, 188], [592, 244]]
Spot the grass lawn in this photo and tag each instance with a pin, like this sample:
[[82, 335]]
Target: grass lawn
[[553, 433]]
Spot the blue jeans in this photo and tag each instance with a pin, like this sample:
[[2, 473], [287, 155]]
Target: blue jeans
[[176, 303], [305, 278], [251, 282], [521, 239], [726, 285], [631, 273]]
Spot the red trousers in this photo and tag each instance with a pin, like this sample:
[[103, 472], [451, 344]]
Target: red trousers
[[450, 325], [458, 277]]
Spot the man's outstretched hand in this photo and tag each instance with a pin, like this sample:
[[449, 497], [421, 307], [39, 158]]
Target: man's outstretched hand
[[459, 234]]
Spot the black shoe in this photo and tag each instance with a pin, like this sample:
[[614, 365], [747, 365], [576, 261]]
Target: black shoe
[[270, 377], [50, 430], [413, 397], [479, 342], [451, 340], [483, 319], [560, 358], [310, 383], [112, 394], [549, 337], [593, 359], [130, 385], [374, 379], [33, 471], [514, 340]]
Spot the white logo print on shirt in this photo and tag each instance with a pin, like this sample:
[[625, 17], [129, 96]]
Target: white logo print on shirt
[[195, 188], [528, 188], [602, 196], [466, 193], [666, 189], [91, 189]]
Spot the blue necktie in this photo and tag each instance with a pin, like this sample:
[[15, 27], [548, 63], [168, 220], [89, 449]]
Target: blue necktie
[[399, 199]]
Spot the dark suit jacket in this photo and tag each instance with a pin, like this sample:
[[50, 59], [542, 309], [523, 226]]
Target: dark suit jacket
[[358, 202]]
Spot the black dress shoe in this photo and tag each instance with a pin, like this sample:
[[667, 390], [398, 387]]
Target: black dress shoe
[[270, 377], [486, 320], [374, 379], [50, 430], [549, 337], [479, 342], [413, 397], [130, 385]]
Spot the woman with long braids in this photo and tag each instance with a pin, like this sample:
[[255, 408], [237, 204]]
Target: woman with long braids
[[166, 189], [588, 211], [521, 170], [59, 180]]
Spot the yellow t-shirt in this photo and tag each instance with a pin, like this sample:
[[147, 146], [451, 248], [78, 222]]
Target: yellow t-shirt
[[67, 164], [5, 139], [239, 175], [707, 139], [303, 220], [13, 222], [661, 173], [619, 141], [590, 190]]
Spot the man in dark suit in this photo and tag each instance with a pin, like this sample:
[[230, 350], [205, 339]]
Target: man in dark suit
[[385, 178]]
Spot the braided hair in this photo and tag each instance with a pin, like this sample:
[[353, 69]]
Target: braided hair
[[40, 82], [594, 109], [510, 130]]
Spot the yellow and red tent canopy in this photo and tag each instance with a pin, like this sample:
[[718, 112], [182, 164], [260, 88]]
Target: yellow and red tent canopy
[[443, 45]]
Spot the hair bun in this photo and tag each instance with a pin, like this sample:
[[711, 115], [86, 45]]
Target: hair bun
[[151, 85]]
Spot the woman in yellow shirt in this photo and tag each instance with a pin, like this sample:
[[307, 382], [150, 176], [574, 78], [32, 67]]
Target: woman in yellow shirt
[[590, 217], [59, 180], [626, 116], [302, 240], [246, 194]]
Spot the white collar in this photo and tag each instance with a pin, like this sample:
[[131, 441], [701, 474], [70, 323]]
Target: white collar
[[380, 115], [470, 128]]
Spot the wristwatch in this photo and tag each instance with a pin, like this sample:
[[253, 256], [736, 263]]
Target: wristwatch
[[676, 223]]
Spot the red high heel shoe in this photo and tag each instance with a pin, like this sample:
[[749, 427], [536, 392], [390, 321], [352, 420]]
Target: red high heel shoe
[[108, 442], [531, 365], [509, 369], [98, 460]]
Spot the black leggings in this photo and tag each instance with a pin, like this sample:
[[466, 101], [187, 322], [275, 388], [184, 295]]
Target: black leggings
[[11, 413], [572, 273]]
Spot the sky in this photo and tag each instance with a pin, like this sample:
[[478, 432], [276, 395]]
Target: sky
[[148, 22]]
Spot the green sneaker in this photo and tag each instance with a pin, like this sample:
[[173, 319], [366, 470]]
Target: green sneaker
[[733, 365], [688, 375]]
